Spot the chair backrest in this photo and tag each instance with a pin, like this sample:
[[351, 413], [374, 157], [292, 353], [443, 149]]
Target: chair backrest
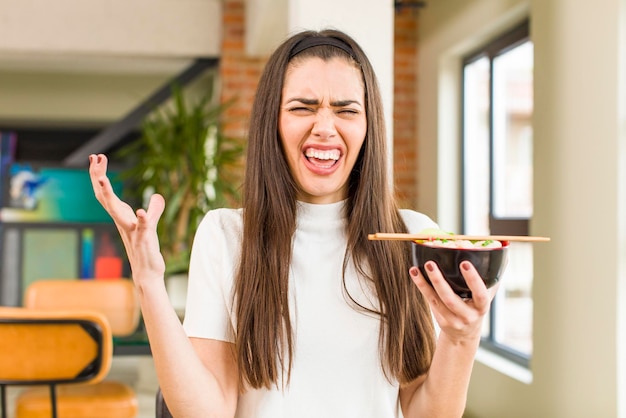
[[117, 299], [53, 346]]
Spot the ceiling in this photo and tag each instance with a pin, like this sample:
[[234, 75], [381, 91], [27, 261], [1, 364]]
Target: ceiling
[[53, 63]]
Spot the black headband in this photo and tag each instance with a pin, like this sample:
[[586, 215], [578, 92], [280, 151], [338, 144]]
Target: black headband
[[312, 41]]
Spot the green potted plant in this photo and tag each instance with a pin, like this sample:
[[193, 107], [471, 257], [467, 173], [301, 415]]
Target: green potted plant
[[182, 154]]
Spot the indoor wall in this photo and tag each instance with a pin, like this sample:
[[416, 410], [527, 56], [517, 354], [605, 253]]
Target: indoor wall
[[577, 368]]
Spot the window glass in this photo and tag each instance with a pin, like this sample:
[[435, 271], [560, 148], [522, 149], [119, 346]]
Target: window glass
[[476, 137], [497, 178], [514, 305], [512, 132]]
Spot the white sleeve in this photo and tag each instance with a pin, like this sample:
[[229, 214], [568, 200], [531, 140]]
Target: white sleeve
[[416, 221], [214, 259]]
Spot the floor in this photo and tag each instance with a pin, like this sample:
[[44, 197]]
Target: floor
[[137, 371]]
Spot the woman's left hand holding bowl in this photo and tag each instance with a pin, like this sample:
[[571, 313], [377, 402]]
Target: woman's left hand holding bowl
[[459, 319]]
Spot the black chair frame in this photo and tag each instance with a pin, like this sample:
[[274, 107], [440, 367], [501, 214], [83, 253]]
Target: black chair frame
[[161, 407]]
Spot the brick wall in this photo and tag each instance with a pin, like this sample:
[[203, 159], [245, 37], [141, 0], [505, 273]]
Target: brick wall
[[239, 75], [238, 72], [405, 106]]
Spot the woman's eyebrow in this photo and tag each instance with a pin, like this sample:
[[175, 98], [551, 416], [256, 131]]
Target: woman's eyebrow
[[342, 103], [336, 103], [303, 100]]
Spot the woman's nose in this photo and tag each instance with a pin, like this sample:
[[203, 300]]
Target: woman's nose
[[324, 125]]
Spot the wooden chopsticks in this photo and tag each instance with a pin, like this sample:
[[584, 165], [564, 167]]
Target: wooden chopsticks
[[428, 237]]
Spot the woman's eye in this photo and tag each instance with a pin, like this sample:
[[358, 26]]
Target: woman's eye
[[348, 112], [300, 109]]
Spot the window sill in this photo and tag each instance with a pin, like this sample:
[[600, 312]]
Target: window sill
[[504, 366]]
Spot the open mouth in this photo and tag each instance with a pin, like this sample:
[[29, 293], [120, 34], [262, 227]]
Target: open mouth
[[322, 158]]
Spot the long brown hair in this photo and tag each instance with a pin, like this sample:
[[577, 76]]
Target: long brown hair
[[264, 342]]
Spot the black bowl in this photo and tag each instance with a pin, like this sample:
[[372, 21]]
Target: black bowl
[[489, 262]]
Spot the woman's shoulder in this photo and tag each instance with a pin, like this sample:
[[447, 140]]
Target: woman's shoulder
[[224, 214], [416, 221], [222, 219]]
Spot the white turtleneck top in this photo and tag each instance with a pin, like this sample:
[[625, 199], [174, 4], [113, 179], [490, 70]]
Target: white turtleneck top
[[336, 368]]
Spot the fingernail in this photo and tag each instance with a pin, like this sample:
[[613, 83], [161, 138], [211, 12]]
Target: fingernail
[[465, 265], [430, 266], [413, 271]]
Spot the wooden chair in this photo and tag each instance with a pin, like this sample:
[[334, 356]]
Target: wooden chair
[[117, 301], [46, 347]]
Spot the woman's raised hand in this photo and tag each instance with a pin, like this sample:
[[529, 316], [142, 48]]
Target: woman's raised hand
[[137, 229]]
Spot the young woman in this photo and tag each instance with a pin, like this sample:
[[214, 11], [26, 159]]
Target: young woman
[[291, 311]]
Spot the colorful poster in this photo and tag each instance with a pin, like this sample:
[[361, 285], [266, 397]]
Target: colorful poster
[[52, 195]]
